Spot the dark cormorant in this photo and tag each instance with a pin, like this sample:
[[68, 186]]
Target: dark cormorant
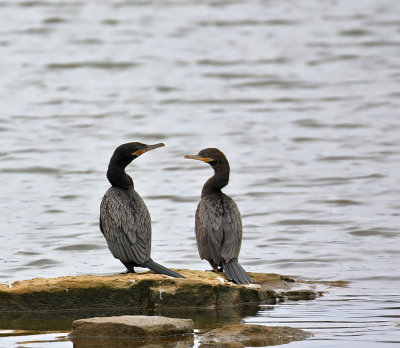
[[124, 219], [218, 224]]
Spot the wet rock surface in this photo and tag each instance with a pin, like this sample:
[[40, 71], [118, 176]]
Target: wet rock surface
[[149, 291], [131, 326], [245, 335]]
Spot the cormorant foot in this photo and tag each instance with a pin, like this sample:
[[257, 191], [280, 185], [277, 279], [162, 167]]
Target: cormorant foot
[[216, 270]]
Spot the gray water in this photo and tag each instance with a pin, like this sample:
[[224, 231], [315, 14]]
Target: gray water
[[303, 98]]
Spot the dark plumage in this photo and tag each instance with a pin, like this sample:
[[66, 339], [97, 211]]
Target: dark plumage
[[124, 219], [218, 224]]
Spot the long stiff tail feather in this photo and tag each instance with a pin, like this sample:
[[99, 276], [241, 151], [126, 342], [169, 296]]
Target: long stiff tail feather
[[156, 267], [235, 272]]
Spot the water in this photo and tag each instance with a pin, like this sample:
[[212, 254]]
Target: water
[[302, 98]]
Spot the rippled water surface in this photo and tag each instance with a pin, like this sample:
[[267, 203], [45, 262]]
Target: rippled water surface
[[303, 98]]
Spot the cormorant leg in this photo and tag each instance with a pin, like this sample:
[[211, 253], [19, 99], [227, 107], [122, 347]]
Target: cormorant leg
[[214, 267], [129, 268]]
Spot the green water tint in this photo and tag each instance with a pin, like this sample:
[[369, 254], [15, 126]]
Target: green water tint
[[61, 321], [58, 323]]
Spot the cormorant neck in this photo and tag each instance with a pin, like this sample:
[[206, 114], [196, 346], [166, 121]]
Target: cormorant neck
[[219, 180], [117, 176]]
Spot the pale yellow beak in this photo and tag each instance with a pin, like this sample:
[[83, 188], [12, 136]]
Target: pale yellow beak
[[196, 157]]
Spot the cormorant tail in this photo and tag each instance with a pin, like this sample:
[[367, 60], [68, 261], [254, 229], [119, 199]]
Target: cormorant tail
[[156, 267], [235, 272]]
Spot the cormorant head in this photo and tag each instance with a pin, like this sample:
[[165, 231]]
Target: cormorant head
[[126, 153], [212, 156], [122, 156]]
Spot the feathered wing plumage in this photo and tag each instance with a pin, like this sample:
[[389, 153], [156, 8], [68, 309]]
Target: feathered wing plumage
[[209, 230], [126, 225], [218, 227]]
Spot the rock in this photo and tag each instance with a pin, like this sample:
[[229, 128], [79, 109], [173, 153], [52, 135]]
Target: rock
[[297, 295], [175, 342], [244, 335], [138, 326], [147, 291]]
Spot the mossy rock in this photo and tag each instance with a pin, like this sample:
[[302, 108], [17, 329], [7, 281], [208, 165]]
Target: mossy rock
[[148, 291]]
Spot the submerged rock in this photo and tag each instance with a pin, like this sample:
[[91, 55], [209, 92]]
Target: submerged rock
[[131, 326], [148, 291], [245, 335]]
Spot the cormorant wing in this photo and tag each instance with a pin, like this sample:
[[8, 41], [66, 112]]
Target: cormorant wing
[[208, 227], [218, 229], [126, 225], [232, 226]]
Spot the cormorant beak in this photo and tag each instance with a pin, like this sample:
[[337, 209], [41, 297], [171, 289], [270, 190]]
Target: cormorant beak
[[196, 157], [147, 148]]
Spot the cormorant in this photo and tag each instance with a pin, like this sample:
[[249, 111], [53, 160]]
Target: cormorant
[[124, 219], [218, 224]]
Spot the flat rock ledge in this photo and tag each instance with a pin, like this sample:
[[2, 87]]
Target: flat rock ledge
[[131, 326], [245, 335], [200, 289]]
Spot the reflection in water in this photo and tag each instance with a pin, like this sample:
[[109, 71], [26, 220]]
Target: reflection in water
[[203, 319], [176, 342], [38, 323], [41, 322]]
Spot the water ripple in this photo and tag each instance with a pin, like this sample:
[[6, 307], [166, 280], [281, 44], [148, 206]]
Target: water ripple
[[295, 222], [93, 65], [246, 23]]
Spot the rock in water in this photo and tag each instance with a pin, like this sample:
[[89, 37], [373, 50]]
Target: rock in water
[[131, 326], [148, 291], [245, 335]]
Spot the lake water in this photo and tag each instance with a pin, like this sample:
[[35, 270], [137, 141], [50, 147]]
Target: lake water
[[303, 98]]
